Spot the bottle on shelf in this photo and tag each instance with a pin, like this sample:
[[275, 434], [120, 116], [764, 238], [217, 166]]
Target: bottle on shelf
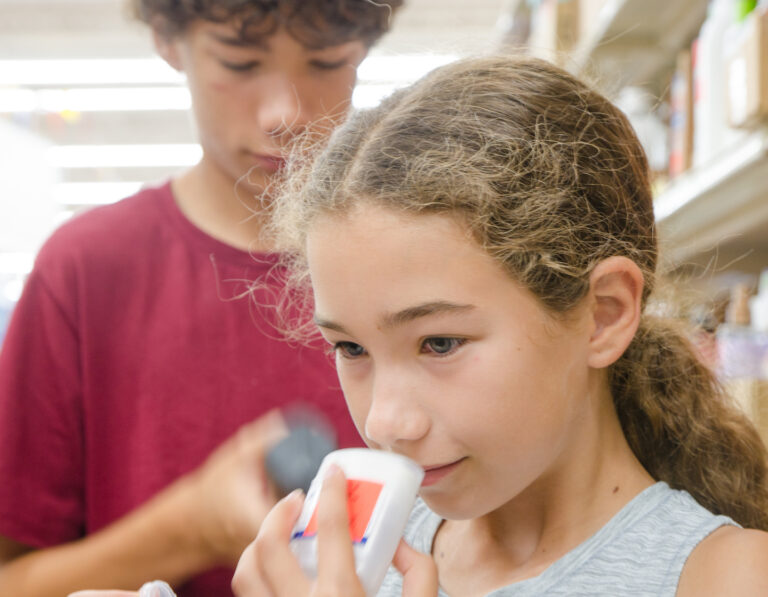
[[638, 105], [758, 305], [681, 115], [712, 132], [734, 338]]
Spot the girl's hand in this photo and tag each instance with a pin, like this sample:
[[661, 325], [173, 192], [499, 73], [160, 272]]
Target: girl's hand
[[156, 588], [104, 594], [268, 567]]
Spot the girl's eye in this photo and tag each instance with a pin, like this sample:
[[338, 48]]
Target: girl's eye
[[348, 350], [240, 67], [441, 346]]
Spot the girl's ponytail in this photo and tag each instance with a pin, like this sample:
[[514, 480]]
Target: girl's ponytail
[[682, 427]]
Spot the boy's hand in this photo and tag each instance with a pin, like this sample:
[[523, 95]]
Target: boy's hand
[[268, 567], [230, 494]]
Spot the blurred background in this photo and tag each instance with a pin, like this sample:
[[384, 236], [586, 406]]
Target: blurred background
[[88, 114]]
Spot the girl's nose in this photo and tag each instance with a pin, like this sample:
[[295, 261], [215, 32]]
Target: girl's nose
[[395, 414]]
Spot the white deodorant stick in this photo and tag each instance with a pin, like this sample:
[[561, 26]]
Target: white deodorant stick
[[381, 490]]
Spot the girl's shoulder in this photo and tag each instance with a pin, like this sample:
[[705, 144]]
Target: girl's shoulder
[[730, 561]]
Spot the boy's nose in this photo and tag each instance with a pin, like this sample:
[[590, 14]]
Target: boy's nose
[[395, 414], [281, 109]]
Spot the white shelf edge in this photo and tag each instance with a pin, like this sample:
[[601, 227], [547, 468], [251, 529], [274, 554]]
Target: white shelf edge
[[714, 202], [613, 29]]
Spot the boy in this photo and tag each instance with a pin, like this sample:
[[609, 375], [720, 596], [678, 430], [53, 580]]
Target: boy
[[133, 353]]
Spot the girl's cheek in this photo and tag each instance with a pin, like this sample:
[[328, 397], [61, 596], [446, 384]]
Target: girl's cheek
[[357, 402]]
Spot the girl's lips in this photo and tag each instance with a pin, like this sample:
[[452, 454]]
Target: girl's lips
[[433, 474]]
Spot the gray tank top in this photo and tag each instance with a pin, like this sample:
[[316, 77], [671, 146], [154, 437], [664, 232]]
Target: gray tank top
[[639, 552]]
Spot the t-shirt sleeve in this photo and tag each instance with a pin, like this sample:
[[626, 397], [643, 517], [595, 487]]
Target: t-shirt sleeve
[[41, 446]]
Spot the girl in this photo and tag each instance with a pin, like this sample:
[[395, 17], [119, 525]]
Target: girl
[[481, 249]]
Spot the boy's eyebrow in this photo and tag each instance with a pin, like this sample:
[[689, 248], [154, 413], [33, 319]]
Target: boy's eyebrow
[[391, 320], [239, 42]]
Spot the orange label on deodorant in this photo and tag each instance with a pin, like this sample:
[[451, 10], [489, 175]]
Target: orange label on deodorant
[[361, 500]]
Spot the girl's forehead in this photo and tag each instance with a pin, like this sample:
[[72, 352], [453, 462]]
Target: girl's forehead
[[366, 266], [413, 249], [366, 218]]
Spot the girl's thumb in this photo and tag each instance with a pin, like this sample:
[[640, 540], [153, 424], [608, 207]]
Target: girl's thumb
[[418, 570]]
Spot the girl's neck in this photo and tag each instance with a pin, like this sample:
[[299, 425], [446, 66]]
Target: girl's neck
[[596, 475], [220, 206]]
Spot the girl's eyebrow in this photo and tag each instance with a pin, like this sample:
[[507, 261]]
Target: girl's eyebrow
[[391, 320]]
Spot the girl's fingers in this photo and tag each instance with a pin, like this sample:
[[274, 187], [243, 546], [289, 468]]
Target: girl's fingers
[[277, 565], [418, 570], [155, 588], [336, 558], [104, 594], [247, 581]]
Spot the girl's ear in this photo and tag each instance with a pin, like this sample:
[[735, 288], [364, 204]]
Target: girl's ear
[[167, 45], [615, 288]]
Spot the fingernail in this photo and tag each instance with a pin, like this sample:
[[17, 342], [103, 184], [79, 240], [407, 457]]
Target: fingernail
[[293, 496], [156, 588], [333, 470]]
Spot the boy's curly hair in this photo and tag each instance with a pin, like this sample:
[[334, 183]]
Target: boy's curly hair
[[315, 23]]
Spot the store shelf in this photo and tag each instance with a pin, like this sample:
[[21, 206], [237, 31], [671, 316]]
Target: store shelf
[[634, 42], [720, 208], [724, 202]]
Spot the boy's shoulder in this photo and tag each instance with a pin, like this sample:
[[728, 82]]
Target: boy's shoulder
[[107, 220], [730, 561], [103, 228]]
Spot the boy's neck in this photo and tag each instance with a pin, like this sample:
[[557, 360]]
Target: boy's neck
[[220, 206]]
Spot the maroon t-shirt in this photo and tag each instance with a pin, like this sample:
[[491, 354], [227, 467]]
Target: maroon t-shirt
[[130, 356]]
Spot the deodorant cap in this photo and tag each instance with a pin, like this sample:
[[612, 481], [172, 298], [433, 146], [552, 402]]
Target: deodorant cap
[[293, 462]]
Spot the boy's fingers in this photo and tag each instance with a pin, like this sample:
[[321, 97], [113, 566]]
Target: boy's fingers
[[259, 435], [335, 558], [276, 563], [418, 570]]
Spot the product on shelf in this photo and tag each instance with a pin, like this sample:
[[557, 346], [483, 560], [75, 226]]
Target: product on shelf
[[589, 16], [744, 7], [637, 104], [742, 350], [712, 131], [743, 360], [681, 115], [554, 29], [748, 71], [758, 305]]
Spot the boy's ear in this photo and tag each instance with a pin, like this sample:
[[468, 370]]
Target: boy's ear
[[166, 45], [615, 288]]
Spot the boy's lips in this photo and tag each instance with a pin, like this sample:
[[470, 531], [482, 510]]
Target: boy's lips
[[435, 473], [270, 163]]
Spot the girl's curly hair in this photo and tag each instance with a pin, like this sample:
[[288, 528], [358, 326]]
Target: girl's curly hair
[[550, 179]]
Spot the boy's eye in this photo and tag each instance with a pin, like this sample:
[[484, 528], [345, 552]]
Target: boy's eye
[[348, 350], [328, 64], [240, 67], [441, 345]]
